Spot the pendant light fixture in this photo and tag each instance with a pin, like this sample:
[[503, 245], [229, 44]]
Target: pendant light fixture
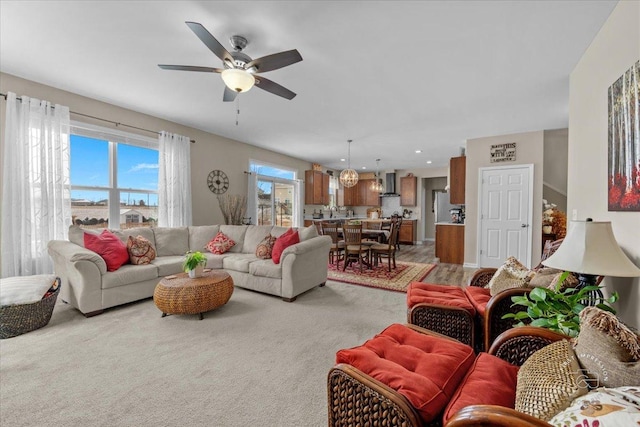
[[349, 177], [376, 185]]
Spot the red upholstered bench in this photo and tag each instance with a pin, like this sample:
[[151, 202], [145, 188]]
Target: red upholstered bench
[[419, 371], [444, 309]]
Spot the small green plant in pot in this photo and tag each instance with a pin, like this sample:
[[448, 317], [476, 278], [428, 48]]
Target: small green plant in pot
[[194, 263], [557, 310]]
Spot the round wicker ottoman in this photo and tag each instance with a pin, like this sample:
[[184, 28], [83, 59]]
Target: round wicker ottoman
[[182, 295]]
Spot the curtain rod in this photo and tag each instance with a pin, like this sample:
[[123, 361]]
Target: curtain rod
[[193, 141]]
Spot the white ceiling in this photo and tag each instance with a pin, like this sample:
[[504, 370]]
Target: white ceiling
[[394, 76]]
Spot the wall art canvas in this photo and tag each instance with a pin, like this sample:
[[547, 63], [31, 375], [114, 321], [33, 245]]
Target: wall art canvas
[[624, 141]]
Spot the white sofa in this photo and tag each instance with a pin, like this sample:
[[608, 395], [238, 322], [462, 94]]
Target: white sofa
[[88, 286]]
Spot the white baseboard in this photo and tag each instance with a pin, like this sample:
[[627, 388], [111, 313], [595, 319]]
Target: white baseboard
[[470, 265]]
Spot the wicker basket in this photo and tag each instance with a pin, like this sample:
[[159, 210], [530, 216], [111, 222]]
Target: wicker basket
[[22, 318]]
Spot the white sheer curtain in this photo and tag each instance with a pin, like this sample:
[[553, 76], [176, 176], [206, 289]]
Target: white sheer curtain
[[252, 197], [298, 205], [36, 191], [174, 181]]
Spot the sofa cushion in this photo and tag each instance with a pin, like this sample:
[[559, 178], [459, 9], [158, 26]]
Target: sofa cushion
[[109, 247], [549, 380], [214, 260], [25, 289], [220, 244], [289, 238], [76, 234], [253, 236], [307, 233], [490, 381], [607, 349], [168, 265], [478, 297], [200, 235], [448, 295], [140, 250], [423, 368], [279, 231], [236, 233], [171, 241], [604, 407], [145, 232], [128, 274], [265, 268], [238, 262]]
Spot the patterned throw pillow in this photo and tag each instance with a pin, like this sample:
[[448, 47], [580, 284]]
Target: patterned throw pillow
[[140, 250], [512, 274], [607, 349], [604, 407], [220, 244], [549, 380], [263, 251]]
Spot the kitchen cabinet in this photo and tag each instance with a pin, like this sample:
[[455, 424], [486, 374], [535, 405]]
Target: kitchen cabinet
[[408, 190], [450, 243], [407, 234], [348, 196], [316, 188], [457, 176], [366, 196]]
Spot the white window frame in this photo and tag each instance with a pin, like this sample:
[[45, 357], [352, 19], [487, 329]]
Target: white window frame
[[298, 190], [113, 138]]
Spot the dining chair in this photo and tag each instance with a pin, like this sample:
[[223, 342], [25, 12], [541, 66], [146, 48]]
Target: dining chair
[[336, 250], [354, 249], [397, 220], [387, 250]]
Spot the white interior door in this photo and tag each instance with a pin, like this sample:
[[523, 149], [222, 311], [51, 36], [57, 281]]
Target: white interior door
[[505, 215]]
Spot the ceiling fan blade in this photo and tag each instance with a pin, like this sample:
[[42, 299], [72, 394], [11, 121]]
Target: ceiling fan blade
[[229, 95], [275, 61], [210, 41], [274, 88], [190, 68]]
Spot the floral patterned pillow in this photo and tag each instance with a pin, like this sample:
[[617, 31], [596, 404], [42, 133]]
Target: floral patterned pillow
[[263, 251], [140, 250], [512, 274], [603, 407], [220, 244]]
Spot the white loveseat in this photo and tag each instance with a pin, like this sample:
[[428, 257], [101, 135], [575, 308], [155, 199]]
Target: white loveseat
[[88, 286]]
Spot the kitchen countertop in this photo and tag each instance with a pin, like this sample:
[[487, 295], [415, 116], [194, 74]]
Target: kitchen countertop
[[447, 223]]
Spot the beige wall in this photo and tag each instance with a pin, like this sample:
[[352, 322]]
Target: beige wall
[[208, 153], [529, 150], [556, 158], [613, 51]]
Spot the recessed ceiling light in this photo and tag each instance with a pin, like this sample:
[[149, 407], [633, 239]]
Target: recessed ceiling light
[[364, 167], [428, 162], [418, 151], [343, 160]]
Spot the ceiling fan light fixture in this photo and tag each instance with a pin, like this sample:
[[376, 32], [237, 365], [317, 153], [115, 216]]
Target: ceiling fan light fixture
[[238, 80]]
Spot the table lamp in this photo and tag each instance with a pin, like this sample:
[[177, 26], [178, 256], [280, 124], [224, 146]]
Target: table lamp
[[590, 250]]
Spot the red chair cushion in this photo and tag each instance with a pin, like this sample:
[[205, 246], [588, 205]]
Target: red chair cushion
[[490, 381], [423, 368], [448, 295], [479, 297]]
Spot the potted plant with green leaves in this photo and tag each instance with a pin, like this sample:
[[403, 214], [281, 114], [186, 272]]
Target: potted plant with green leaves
[[194, 263], [555, 309]]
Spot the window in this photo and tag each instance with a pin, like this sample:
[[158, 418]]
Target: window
[[278, 201], [114, 178]]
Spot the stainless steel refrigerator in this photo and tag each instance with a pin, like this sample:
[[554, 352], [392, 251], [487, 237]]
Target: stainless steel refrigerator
[[442, 207]]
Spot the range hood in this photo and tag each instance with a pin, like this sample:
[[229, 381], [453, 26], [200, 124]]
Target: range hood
[[390, 186]]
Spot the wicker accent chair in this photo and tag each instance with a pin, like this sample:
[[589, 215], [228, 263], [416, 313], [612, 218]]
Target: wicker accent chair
[[356, 399]]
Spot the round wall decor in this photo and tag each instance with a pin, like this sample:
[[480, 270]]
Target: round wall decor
[[218, 181]]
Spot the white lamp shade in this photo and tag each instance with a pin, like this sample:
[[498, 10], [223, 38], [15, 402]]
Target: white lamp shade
[[591, 248], [349, 177], [238, 80]]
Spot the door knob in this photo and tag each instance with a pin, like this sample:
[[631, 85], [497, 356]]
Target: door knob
[[524, 225]]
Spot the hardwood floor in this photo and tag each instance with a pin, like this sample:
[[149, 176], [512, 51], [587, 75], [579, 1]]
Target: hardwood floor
[[446, 274]]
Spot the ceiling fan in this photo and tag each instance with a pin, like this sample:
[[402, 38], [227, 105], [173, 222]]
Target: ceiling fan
[[240, 72]]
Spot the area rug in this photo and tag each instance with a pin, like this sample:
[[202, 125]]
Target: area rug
[[397, 280]]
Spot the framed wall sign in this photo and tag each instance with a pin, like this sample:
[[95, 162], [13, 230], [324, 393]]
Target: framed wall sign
[[503, 152]]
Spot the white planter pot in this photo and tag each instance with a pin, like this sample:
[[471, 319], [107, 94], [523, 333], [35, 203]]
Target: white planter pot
[[196, 272]]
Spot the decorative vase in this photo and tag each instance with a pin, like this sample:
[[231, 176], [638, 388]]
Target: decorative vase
[[196, 272]]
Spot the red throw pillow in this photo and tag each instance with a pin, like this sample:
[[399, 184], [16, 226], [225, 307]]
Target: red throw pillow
[[109, 247], [290, 237], [220, 244]]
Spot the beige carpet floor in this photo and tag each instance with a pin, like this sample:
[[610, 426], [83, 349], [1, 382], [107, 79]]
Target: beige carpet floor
[[255, 361]]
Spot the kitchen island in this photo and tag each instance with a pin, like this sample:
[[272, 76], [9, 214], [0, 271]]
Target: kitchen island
[[450, 242]]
